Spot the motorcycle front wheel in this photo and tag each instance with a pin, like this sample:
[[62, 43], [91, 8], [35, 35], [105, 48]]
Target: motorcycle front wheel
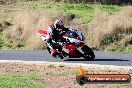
[[88, 53], [49, 50], [57, 55]]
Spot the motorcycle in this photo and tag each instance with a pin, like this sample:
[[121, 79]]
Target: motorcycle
[[74, 46]]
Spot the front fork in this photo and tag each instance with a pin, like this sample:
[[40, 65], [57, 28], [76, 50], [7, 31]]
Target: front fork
[[49, 46], [80, 50]]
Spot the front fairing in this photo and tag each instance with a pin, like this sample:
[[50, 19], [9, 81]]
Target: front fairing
[[74, 37]]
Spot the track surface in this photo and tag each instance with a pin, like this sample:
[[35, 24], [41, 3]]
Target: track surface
[[102, 58]]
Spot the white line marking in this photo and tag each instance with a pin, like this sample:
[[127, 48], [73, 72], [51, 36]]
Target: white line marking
[[66, 64]]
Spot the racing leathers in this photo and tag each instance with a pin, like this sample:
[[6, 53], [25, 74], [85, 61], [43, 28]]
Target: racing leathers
[[55, 36]]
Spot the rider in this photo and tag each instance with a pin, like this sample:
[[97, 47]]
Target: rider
[[55, 30]]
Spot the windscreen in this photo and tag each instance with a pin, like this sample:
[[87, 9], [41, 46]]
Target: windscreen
[[72, 34]]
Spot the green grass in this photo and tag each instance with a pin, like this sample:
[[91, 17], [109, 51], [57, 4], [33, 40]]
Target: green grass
[[117, 86], [21, 81], [83, 11], [123, 86], [29, 80], [127, 49]]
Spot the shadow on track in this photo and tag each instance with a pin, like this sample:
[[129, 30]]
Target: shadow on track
[[95, 60]]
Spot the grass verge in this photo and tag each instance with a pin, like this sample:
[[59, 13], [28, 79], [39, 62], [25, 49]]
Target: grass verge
[[20, 75], [21, 81]]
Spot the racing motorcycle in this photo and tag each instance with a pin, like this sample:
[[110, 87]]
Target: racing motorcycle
[[73, 47]]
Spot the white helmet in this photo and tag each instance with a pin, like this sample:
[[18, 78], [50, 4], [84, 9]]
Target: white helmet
[[58, 23]]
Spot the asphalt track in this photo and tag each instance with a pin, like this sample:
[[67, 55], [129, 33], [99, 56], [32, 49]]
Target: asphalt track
[[102, 58]]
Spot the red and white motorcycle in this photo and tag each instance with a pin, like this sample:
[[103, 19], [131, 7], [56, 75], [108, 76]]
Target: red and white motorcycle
[[74, 47]]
